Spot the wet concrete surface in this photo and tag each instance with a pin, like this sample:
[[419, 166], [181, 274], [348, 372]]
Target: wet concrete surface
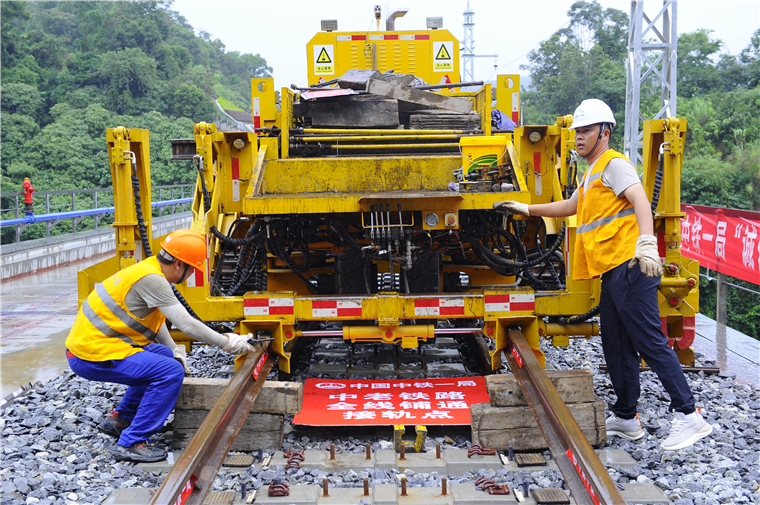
[[733, 351], [36, 314]]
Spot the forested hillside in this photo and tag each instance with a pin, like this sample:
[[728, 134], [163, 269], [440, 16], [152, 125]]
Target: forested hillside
[[718, 93], [72, 69]]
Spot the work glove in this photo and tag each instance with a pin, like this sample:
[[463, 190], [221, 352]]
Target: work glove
[[237, 344], [647, 256], [180, 354], [512, 207]]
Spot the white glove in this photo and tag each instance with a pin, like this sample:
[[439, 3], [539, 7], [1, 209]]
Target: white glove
[[180, 354], [238, 344], [512, 207], [647, 256]]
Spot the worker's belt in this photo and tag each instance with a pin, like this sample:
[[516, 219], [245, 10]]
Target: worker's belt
[[69, 354]]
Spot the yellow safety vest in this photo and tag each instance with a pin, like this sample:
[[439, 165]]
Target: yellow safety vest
[[607, 230], [104, 328]]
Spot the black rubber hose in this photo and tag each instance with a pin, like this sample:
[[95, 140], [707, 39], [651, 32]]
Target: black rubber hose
[[581, 317], [516, 264], [657, 182], [139, 213]]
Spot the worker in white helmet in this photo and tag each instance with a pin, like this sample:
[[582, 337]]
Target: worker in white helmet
[[615, 234]]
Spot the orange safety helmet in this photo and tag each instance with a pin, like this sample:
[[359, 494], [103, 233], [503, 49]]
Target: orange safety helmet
[[187, 246]]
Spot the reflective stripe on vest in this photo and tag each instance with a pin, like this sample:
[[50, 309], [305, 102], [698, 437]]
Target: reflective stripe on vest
[[607, 231], [102, 326], [123, 315], [605, 220]]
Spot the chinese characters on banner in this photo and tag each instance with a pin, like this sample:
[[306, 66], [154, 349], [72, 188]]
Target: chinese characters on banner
[[379, 402], [724, 240]]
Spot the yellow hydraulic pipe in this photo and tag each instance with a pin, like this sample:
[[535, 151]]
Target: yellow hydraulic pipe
[[370, 138], [348, 131], [407, 335], [677, 282], [390, 146], [550, 329]]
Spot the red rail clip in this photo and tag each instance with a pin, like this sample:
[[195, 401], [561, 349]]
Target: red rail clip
[[477, 449], [491, 486], [294, 458], [279, 489]]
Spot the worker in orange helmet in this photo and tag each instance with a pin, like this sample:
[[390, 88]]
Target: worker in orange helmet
[[119, 336], [615, 234]]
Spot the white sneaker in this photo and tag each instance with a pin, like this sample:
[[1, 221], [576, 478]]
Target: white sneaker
[[625, 428], [686, 430]]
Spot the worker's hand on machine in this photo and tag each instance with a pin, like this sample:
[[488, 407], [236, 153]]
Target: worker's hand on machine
[[512, 207], [237, 344], [647, 256], [180, 354]]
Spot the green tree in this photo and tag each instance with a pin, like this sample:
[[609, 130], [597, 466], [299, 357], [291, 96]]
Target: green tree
[[696, 71]]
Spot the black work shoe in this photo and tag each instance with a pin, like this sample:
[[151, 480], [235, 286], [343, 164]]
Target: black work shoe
[[113, 425], [139, 451]]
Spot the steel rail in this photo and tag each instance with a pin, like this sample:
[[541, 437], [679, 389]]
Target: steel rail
[[199, 463], [588, 480]]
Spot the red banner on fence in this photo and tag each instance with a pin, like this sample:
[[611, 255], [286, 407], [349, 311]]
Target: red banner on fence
[[378, 402], [724, 240]]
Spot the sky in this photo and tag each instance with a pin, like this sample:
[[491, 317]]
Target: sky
[[279, 31]]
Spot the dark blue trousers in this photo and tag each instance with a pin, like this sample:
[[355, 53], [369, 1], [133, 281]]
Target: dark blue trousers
[[154, 378], [630, 326]]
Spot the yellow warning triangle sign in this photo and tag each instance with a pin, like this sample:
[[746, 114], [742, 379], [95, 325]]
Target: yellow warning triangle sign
[[323, 57], [443, 54]]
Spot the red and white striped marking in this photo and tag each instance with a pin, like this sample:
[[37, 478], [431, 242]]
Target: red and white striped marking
[[510, 302], [336, 308], [235, 179], [414, 37], [268, 306], [344, 38], [383, 37], [516, 107], [439, 307], [689, 331], [257, 112], [195, 280]]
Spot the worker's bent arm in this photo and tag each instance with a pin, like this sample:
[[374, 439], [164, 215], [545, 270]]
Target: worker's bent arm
[[563, 208], [191, 327], [643, 209]]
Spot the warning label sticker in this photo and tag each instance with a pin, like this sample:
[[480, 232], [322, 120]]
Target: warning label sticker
[[324, 60], [443, 56]]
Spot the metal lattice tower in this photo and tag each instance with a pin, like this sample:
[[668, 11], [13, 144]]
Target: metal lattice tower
[[468, 49], [652, 44]]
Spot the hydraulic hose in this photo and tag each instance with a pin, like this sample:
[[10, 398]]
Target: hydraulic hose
[[495, 258], [658, 178]]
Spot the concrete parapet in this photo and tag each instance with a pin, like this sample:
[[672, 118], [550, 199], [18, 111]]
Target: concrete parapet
[[34, 256]]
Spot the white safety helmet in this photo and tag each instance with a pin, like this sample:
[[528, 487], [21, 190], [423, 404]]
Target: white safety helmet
[[592, 111]]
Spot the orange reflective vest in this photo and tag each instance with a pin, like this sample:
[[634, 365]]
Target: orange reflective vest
[[104, 328], [607, 227]]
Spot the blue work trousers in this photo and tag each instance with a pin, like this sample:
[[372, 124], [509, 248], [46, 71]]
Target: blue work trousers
[[630, 326], [154, 378]]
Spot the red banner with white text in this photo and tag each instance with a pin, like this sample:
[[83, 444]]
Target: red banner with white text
[[328, 402], [724, 240]]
